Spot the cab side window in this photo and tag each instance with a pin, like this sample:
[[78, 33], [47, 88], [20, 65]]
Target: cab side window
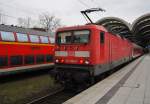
[[102, 37]]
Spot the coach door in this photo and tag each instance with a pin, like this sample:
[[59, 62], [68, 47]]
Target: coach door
[[110, 51], [102, 46]]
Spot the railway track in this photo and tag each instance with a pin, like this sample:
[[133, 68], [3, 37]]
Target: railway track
[[61, 95], [56, 97]]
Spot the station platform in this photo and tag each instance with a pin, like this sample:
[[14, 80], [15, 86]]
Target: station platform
[[12, 70], [130, 85]]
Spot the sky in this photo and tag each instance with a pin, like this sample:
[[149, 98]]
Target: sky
[[69, 10]]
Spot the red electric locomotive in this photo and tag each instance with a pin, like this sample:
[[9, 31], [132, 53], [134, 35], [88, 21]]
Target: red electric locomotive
[[84, 52], [22, 49]]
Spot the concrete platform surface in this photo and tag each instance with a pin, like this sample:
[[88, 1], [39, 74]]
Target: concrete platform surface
[[4, 71], [130, 85]]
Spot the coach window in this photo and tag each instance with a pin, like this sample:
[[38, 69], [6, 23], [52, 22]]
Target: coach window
[[102, 37], [22, 37], [49, 58], [44, 39], [16, 60], [7, 36], [40, 58], [34, 38], [29, 59], [3, 61]]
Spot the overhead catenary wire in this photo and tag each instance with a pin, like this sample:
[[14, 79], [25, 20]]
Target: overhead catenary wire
[[2, 17], [15, 17], [2, 14], [26, 11], [84, 4], [95, 3]]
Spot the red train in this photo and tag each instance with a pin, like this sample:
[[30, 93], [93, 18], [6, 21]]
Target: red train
[[84, 52], [22, 49]]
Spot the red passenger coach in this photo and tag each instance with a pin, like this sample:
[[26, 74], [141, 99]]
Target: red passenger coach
[[18, 50], [84, 52]]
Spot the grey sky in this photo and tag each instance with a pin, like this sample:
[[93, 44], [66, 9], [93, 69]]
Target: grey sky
[[69, 10]]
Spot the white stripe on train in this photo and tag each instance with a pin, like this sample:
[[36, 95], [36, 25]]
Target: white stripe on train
[[76, 53]]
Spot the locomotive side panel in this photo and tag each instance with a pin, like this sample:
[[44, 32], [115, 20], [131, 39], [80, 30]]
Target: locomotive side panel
[[103, 53]]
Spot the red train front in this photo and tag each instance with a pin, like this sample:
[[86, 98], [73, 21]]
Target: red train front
[[83, 52]]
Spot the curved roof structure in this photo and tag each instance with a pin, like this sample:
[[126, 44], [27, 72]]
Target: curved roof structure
[[116, 26], [141, 29], [138, 32]]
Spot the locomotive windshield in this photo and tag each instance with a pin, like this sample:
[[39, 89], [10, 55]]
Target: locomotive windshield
[[64, 37], [78, 36]]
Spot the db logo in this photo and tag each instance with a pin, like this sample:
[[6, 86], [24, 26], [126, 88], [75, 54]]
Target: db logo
[[70, 53]]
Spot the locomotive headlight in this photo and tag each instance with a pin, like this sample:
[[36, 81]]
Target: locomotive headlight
[[81, 61], [87, 62], [62, 60], [56, 60]]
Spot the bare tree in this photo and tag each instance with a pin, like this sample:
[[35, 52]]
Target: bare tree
[[24, 22], [49, 22]]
